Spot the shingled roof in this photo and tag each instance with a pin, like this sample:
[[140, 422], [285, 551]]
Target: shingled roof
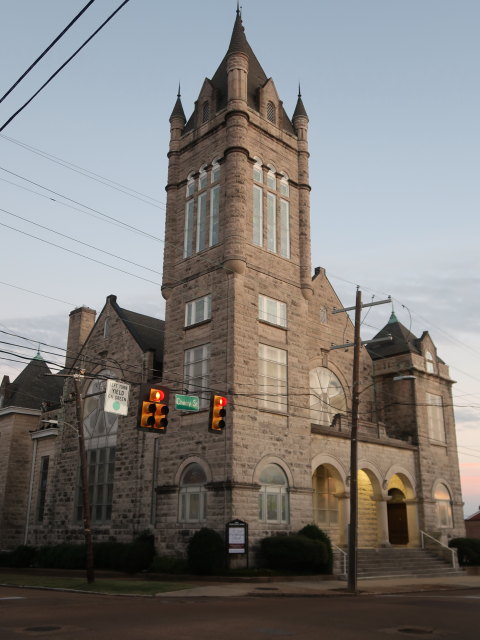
[[148, 332], [34, 385], [403, 341]]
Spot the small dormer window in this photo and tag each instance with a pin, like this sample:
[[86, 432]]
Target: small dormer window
[[205, 112], [429, 362], [271, 112]]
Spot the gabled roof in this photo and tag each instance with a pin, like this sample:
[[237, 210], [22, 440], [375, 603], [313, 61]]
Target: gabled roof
[[403, 341], [34, 385], [256, 76], [474, 518], [148, 332]]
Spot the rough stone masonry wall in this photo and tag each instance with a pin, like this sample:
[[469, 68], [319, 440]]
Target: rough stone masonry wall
[[17, 457]]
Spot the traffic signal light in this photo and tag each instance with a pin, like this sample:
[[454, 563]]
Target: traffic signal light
[[154, 410], [217, 414]]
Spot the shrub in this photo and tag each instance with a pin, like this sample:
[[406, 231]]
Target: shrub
[[168, 564], [314, 533], [21, 556], [468, 551], [137, 555], [294, 553], [206, 552], [61, 556]]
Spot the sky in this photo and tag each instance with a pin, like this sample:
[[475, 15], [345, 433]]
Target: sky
[[391, 89]]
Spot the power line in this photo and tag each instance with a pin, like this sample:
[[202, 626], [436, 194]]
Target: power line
[[35, 62], [84, 206], [35, 293], [79, 254], [63, 65], [41, 226], [87, 173]]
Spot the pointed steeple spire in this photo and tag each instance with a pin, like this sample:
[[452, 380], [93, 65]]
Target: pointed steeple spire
[[178, 108], [238, 41], [299, 109]]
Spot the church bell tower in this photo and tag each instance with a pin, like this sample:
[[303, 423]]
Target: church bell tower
[[237, 281]]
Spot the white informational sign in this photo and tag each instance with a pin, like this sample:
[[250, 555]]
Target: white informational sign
[[116, 397], [237, 539]]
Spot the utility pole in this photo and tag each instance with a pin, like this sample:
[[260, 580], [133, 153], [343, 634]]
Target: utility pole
[[87, 526], [357, 344]]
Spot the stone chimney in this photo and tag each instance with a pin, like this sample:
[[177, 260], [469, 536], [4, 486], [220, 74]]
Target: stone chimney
[[80, 324]]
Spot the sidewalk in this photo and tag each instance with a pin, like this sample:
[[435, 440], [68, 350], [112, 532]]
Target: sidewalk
[[322, 587]]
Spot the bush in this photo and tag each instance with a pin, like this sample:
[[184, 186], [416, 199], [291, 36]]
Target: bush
[[206, 552], [22, 556], [468, 551], [61, 556], [130, 557], [294, 553], [314, 533], [168, 564], [137, 555]]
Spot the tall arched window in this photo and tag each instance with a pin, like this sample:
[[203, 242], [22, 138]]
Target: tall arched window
[[443, 505], [325, 502], [257, 170], [327, 397], [193, 494], [100, 430], [273, 496]]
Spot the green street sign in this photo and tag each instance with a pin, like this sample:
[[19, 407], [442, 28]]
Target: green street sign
[[187, 403]]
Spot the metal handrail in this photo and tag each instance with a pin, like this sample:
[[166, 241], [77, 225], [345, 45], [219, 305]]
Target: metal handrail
[[344, 553], [452, 551]]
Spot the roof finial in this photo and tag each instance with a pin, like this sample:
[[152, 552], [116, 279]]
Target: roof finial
[[39, 355], [239, 9], [179, 94], [299, 91]]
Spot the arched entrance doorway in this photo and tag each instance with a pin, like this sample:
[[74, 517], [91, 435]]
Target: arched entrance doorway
[[397, 517]]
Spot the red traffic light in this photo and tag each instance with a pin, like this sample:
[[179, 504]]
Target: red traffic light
[[218, 412], [154, 410], [157, 395]]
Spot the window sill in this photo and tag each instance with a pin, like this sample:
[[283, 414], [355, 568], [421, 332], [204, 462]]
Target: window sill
[[196, 324], [273, 324]]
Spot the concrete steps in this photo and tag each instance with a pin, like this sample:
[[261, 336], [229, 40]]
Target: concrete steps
[[401, 562]]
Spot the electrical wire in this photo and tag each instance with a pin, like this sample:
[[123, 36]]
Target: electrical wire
[[87, 173], [85, 244], [79, 254], [12, 117], [116, 221], [35, 62]]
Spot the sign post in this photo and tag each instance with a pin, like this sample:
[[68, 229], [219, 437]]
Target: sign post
[[237, 537]]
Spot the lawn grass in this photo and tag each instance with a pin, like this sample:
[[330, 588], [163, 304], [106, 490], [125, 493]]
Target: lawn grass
[[101, 585]]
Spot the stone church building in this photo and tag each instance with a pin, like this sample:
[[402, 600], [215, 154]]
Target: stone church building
[[244, 319]]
